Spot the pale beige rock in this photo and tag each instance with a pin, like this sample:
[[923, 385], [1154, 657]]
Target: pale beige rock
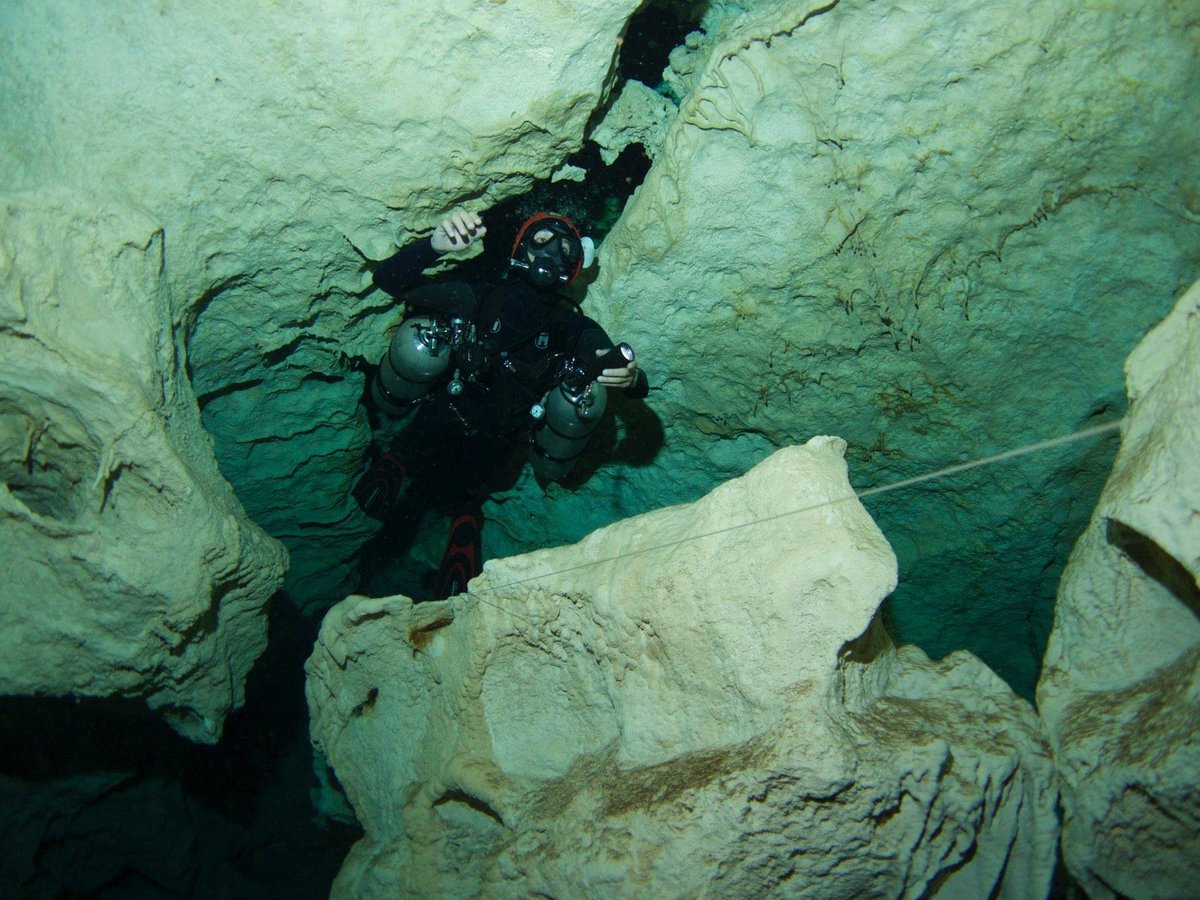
[[283, 148], [1120, 690], [683, 703], [639, 115], [130, 568]]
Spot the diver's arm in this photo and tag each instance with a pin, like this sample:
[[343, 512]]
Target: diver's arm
[[397, 273], [457, 231]]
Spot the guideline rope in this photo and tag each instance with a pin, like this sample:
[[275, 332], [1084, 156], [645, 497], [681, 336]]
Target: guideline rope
[[994, 459]]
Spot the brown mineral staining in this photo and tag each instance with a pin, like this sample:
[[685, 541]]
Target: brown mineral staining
[[420, 637]]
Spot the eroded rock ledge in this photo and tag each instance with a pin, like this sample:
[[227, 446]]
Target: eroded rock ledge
[[130, 569], [719, 712], [1120, 690]]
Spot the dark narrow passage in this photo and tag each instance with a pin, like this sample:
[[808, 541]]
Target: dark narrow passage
[[101, 800], [654, 31]]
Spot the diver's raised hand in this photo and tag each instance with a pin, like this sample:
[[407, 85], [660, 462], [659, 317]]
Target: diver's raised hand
[[457, 231]]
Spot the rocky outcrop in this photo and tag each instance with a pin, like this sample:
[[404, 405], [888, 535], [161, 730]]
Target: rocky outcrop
[[935, 229], [1120, 692], [284, 150], [130, 568], [698, 699], [638, 115]]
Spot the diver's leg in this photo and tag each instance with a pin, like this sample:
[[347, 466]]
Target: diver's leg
[[480, 456], [411, 456], [379, 488], [463, 559]]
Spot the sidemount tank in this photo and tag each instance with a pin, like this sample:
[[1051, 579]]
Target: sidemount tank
[[415, 361], [567, 424]]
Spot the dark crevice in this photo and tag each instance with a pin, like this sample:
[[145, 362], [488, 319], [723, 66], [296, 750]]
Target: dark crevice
[[456, 795], [204, 399], [1156, 562], [326, 377], [129, 808], [594, 205], [653, 32], [278, 354]]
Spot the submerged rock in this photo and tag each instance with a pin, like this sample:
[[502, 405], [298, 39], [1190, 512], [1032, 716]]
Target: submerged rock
[[284, 150], [937, 229], [699, 698], [130, 570], [1120, 691]]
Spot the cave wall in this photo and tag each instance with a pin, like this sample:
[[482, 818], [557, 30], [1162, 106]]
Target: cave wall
[[130, 569], [1120, 691], [935, 231]]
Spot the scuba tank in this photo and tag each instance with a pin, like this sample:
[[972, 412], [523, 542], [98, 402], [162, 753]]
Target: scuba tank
[[416, 359], [570, 412]]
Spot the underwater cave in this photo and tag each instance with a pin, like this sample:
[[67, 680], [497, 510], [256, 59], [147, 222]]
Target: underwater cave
[[937, 235]]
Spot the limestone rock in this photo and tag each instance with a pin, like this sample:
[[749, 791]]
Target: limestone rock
[[284, 149], [130, 568], [639, 115], [1120, 691], [694, 700], [937, 229]]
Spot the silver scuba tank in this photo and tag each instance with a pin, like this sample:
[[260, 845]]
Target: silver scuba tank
[[568, 419], [415, 360]]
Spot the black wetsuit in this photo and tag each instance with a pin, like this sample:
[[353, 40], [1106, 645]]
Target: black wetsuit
[[455, 448], [459, 443], [526, 333]]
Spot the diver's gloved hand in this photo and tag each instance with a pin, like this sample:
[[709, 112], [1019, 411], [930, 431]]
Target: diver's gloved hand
[[623, 376], [457, 231]]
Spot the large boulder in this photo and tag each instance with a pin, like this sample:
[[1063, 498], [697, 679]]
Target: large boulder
[[698, 699], [130, 568], [1120, 690]]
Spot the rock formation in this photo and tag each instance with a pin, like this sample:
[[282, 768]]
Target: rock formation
[[130, 568], [1120, 692], [934, 229], [696, 699], [282, 149]]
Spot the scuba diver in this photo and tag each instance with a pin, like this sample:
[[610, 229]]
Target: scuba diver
[[484, 369]]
